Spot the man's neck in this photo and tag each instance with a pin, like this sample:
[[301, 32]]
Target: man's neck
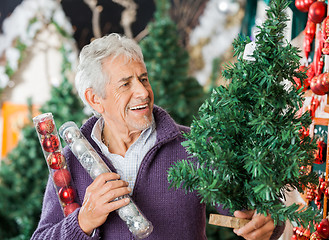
[[118, 141]]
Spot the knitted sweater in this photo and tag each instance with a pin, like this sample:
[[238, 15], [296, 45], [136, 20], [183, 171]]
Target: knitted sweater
[[174, 214]]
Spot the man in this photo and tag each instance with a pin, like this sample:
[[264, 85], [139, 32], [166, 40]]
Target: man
[[139, 142]]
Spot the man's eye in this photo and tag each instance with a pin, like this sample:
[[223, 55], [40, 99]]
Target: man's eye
[[144, 80], [125, 85]]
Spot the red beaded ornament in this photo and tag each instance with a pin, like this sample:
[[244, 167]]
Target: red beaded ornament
[[56, 160], [50, 143], [45, 127], [68, 209], [66, 194], [62, 178]]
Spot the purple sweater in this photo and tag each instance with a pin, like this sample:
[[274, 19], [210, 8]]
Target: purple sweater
[[173, 213]]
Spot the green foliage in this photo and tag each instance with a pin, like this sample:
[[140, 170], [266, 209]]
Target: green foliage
[[24, 174], [167, 64], [246, 137]]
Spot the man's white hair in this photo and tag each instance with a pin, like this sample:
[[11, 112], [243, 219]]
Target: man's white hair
[[90, 73]]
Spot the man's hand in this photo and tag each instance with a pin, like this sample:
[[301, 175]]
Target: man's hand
[[259, 228], [97, 203]]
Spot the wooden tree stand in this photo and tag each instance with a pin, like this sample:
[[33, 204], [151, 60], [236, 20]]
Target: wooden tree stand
[[227, 221]]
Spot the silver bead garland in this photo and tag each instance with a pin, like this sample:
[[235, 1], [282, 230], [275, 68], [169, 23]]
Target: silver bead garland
[[137, 224]]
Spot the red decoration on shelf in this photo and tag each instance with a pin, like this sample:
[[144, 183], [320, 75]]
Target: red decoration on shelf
[[62, 178], [322, 83], [326, 192], [66, 194], [317, 11], [315, 86], [309, 33], [315, 236], [303, 5], [303, 132], [311, 192], [323, 228], [56, 160], [320, 155], [325, 36], [68, 209], [314, 105], [301, 233], [50, 143], [45, 127]]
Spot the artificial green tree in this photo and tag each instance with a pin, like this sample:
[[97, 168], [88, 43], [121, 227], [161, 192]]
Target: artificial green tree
[[23, 175], [245, 142], [167, 63]]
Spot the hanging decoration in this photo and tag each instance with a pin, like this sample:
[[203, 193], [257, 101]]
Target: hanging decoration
[[16, 38], [303, 5], [317, 11]]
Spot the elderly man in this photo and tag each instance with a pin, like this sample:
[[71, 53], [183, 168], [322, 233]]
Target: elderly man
[[139, 142]]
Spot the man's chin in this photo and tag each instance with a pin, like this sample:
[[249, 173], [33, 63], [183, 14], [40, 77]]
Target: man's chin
[[142, 125]]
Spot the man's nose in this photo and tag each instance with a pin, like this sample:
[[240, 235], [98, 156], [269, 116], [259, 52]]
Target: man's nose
[[140, 90]]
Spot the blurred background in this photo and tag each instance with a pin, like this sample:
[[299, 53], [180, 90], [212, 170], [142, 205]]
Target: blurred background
[[190, 41]]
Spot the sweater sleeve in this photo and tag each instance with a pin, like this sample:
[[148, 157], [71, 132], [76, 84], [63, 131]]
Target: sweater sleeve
[[53, 225]]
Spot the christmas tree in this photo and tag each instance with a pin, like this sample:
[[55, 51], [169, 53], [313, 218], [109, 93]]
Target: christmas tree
[[246, 138], [24, 174], [167, 63]]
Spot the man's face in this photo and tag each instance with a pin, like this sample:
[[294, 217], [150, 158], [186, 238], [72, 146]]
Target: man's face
[[129, 97]]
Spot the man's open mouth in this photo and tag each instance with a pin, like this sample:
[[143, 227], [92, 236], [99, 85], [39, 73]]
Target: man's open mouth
[[140, 107]]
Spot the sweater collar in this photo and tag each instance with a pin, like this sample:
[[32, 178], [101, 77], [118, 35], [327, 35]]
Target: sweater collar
[[166, 127]]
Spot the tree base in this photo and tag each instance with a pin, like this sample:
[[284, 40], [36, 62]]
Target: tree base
[[227, 221]]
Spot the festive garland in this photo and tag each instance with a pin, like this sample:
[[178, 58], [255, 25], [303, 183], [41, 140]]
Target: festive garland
[[20, 29]]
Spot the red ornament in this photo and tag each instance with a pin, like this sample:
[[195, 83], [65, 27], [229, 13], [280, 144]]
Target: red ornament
[[311, 192], [323, 228], [50, 143], [326, 192], [68, 209], [325, 82], [62, 178], [324, 185], [317, 11], [303, 132], [45, 127], [325, 36], [294, 237], [315, 236], [319, 84], [320, 155], [56, 160], [66, 194], [300, 5], [313, 107], [314, 86], [309, 33]]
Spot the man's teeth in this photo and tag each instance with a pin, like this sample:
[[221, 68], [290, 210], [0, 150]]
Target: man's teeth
[[139, 107]]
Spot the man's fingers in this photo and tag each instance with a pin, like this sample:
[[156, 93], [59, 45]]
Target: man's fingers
[[244, 214], [111, 185], [102, 179], [112, 206], [115, 193], [260, 226]]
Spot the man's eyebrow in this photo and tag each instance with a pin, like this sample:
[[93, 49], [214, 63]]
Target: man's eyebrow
[[130, 77], [125, 79], [142, 75]]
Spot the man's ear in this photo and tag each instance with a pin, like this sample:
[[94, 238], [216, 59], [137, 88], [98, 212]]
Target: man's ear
[[94, 100]]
